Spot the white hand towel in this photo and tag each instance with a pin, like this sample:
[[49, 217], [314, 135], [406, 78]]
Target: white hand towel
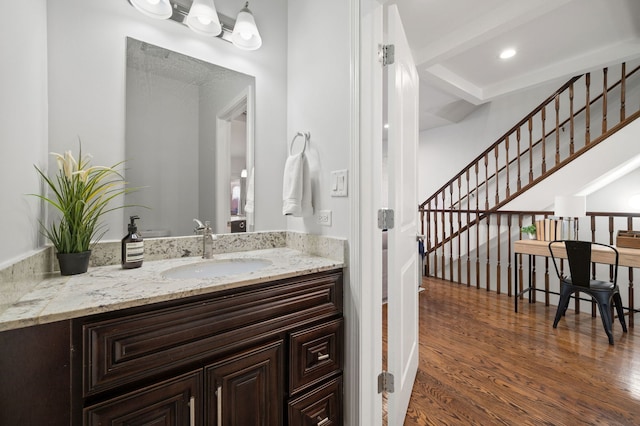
[[296, 188], [307, 205]]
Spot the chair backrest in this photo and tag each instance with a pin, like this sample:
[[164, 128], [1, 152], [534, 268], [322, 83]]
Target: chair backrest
[[579, 258]]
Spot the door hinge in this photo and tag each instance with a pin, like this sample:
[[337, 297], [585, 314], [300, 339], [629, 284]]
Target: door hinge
[[385, 382], [385, 219], [388, 54]]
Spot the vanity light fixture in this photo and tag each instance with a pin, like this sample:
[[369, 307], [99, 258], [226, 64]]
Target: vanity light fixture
[[203, 18], [245, 32], [158, 9]]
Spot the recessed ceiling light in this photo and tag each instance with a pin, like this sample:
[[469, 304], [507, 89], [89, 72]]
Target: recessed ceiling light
[[507, 53]]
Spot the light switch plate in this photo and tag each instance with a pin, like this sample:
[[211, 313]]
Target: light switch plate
[[339, 183]]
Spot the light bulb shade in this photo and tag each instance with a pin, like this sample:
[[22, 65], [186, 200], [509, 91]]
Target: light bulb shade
[[570, 206], [203, 18], [158, 9], [245, 32]]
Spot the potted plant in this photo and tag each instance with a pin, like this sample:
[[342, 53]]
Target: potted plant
[[81, 193], [530, 230]]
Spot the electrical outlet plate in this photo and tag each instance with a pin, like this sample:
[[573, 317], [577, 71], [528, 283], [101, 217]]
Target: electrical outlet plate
[[324, 217]]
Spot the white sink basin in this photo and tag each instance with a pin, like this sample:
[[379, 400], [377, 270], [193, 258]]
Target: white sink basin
[[216, 268]]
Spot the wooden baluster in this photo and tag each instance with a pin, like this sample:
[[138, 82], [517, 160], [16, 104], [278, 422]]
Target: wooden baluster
[[468, 232], [630, 288], [571, 120], [544, 143], [506, 162], [623, 91], [611, 231], [444, 236], [605, 72], [477, 231], [486, 181], [546, 281], [435, 237], [451, 277], [587, 111], [533, 270], [458, 230], [498, 272], [427, 242], [497, 171], [530, 149], [519, 174], [557, 130], [520, 274], [509, 267], [488, 248]]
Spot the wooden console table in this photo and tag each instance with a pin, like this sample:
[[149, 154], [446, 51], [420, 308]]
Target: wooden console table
[[627, 257]]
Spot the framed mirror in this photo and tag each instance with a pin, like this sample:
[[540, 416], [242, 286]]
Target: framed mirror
[[189, 133]]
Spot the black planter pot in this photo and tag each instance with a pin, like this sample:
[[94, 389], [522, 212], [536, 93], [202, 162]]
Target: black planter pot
[[74, 263]]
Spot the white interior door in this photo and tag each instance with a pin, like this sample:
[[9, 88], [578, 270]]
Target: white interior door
[[403, 278]]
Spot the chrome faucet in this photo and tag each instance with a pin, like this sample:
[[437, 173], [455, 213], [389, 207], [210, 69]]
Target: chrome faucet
[[207, 241], [199, 227]]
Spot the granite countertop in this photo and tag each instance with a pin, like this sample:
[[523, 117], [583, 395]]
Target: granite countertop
[[109, 288]]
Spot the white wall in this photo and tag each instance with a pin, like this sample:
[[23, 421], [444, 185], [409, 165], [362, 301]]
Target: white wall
[[319, 102], [87, 82], [23, 125]]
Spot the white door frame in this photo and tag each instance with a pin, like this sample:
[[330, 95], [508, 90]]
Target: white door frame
[[363, 292], [238, 105]]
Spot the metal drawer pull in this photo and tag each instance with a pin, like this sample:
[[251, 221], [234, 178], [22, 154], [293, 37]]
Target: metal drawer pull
[[219, 395], [323, 422], [192, 411], [322, 357]]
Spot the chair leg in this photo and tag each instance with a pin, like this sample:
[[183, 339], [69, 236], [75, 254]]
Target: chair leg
[[563, 303], [605, 314], [617, 301]]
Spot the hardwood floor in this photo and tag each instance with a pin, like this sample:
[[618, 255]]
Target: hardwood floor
[[483, 364]]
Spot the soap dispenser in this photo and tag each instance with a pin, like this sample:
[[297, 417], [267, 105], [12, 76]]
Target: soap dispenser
[[132, 247]]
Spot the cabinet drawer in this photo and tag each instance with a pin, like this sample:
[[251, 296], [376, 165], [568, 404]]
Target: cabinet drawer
[[315, 353], [122, 348], [320, 407]]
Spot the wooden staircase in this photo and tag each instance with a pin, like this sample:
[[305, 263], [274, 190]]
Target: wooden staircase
[[464, 220]]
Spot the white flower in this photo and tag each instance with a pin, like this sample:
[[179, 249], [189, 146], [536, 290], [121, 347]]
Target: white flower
[[66, 163]]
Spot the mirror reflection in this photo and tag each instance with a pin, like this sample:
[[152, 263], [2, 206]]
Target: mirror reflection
[[189, 142]]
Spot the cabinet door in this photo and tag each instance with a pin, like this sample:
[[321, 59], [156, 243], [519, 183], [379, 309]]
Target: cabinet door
[[175, 402], [246, 389]]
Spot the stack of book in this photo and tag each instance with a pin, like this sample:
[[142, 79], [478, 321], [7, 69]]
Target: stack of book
[[551, 229]]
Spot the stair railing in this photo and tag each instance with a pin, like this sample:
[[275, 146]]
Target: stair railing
[[504, 171]]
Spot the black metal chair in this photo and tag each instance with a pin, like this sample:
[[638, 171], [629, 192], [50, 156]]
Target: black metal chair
[[605, 293]]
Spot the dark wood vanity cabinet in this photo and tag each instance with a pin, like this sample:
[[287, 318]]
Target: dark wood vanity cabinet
[[266, 354]]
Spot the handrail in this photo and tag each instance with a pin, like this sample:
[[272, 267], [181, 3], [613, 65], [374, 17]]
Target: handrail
[[521, 123], [497, 142], [539, 141]]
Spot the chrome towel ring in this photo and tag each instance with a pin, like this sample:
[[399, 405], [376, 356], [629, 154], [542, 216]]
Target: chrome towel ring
[[306, 135]]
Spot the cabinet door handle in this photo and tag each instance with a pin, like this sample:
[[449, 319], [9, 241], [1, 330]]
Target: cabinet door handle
[[322, 357], [219, 398], [323, 422], [192, 411]]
